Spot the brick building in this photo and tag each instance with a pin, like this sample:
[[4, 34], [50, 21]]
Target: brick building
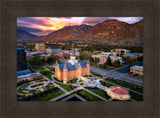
[[71, 69]]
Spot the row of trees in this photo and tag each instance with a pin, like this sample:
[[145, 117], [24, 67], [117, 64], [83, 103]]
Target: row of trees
[[134, 49], [38, 61]]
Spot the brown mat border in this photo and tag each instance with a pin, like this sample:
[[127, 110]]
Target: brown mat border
[[11, 10]]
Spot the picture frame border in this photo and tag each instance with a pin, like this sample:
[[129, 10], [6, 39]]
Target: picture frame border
[[13, 9]]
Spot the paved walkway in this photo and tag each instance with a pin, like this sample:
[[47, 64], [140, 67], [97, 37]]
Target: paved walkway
[[73, 95], [65, 94], [60, 87]]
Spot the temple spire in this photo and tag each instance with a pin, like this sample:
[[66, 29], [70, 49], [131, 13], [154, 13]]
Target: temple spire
[[56, 63], [88, 62], [65, 66]]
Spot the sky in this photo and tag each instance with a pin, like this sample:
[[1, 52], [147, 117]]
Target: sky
[[44, 25]]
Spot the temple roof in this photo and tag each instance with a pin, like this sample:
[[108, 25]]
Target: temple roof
[[70, 67]]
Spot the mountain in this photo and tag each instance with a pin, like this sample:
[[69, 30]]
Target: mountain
[[22, 35], [115, 32], [110, 31], [68, 33]]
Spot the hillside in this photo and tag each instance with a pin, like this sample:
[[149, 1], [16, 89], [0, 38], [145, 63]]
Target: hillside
[[110, 31], [22, 35]]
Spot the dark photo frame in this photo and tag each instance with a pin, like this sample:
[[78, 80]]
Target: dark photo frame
[[12, 9]]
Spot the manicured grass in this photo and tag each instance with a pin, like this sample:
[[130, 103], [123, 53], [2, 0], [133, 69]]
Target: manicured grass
[[49, 76], [73, 80], [80, 80], [125, 85], [136, 96], [38, 68], [99, 92], [105, 83], [21, 91], [88, 96], [49, 96], [65, 86]]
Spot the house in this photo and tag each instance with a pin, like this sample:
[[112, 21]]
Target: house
[[137, 70]]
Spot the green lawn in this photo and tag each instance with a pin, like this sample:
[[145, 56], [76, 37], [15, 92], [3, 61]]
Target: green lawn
[[73, 80], [65, 86], [136, 96], [88, 96], [49, 96], [49, 76], [105, 83], [21, 91], [99, 92], [38, 68], [125, 85]]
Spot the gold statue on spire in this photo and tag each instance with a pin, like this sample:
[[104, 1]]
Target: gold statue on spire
[[72, 45]]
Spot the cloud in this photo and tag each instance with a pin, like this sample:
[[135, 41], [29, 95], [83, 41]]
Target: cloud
[[95, 20], [44, 25]]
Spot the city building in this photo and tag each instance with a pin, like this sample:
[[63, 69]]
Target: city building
[[21, 59], [28, 77], [119, 52], [118, 93], [30, 55], [78, 51], [23, 72], [137, 70], [60, 54], [113, 58], [106, 53], [40, 47], [71, 69], [52, 49], [134, 55], [102, 58]]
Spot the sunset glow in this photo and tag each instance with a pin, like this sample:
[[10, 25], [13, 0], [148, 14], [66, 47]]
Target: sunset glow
[[44, 25]]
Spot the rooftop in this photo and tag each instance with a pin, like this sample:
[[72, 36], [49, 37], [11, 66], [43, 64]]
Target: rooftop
[[131, 54], [24, 72], [70, 67], [27, 75], [106, 53], [138, 67], [118, 90], [20, 48]]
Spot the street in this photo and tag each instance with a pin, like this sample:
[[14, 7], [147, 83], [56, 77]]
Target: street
[[126, 69], [117, 75]]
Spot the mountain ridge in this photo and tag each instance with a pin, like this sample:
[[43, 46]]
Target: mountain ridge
[[111, 31]]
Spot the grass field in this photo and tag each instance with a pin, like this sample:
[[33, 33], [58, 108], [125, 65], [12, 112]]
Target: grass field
[[99, 92], [49, 76], [21, 91], [50, 95], [88, 96], [65, 86], [125, 85]]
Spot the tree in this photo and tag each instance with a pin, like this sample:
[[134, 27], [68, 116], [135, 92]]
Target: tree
[[36, 61], [130, 60], [96, 60], [92, 59], [85, 56], [116, 63], [109, 61], [51, 59]]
